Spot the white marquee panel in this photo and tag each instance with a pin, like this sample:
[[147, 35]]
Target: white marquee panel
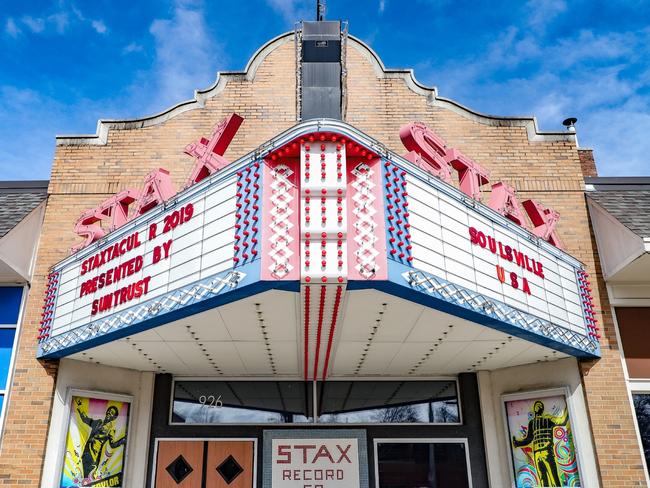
[[202, 246], [441, 246]]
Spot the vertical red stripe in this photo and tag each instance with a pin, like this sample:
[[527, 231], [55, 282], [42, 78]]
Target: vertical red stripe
[[335, 313], [307, 293], [321, 309]]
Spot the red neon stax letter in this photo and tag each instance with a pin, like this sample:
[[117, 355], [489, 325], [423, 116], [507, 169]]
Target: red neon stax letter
[[115, 207], [504, 200], [471, 175], [157, 189], [427, 150], [544, 220], [209, 152]]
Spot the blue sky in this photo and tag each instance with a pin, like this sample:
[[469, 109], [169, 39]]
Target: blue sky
[[64, 64]]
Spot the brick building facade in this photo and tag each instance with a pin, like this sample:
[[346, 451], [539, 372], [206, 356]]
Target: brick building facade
[[547, 167]]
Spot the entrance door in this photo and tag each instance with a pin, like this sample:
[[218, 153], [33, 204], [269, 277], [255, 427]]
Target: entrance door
[[199, 464]]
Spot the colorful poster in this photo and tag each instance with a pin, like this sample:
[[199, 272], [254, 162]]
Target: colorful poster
[[95, 444], [541, 442]]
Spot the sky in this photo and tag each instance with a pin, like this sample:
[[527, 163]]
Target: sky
[[65, 64]]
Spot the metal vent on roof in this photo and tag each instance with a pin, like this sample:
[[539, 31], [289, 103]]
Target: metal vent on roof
[[320, 66]]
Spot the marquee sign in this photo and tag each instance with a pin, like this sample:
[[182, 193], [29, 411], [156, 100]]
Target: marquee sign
[[320, 210]]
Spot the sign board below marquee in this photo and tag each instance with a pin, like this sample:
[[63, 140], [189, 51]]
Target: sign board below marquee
[[322, 209]]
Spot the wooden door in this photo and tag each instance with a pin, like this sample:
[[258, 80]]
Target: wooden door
[[205, 464], [179, 464], [229, 461]]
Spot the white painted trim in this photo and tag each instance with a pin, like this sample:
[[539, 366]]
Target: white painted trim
[[632, 385], [119, 382], [433, 99], [68, 407], [203, 439], [27, 232], [640, 386], [490, 429], [615, 301], [12, 360], [419, 440], [621, 352], [614, 226], [200, 96], [543, 393], [223, 77]]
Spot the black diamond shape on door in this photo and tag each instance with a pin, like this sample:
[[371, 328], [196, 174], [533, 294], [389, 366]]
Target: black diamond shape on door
[[179, 469], [229, 469]]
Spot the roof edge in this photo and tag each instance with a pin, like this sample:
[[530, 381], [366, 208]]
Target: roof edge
[[18, 186], [618, 180], [200, 96], [431, 92], [407, 75]]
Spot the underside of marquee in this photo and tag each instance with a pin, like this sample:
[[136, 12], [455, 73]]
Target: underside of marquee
[[377, 334]]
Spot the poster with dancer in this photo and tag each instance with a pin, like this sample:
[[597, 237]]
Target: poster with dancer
[[95, 444], [541, 442]]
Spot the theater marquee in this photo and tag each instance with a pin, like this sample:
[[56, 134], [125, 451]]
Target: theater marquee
[[323, 210]]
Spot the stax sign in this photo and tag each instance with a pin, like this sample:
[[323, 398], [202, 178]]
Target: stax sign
[[427, 150], [157, 186], [315, 463]]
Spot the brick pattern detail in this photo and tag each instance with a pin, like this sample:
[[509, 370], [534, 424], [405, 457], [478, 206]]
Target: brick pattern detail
[[378, 104], [587, 162]]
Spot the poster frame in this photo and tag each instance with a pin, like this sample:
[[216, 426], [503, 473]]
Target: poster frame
[[539, 393], [99, 395]]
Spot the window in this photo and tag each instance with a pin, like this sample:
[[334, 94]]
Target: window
[[422, 464], [338, 402], [10, 301], [242, 402], [388, 402], [642, 408]]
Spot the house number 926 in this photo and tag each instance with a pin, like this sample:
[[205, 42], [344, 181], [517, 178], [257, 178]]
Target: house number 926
[[211, 401]]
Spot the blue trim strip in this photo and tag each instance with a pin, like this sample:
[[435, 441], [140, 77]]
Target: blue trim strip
[[483, 310], [247, 213], [398, 235], [400, 287], [86, 337]]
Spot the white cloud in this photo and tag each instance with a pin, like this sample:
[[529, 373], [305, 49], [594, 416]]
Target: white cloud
[[586, 74], [294, 10], [542, 12], [60, 21], [132, 48], [382, 6], [185, 55], [36, 25], [11, 28], [99, 26]]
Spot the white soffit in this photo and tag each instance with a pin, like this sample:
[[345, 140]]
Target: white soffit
[[409, 340], [18, 247], [625, 256], [387, 336]]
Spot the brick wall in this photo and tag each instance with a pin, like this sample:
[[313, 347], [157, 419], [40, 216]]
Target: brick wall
[[83, 175], [587, 162]]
